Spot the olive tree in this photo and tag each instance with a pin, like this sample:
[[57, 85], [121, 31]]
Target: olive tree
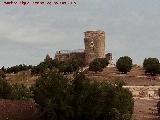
[[151, 66], [124, 64]]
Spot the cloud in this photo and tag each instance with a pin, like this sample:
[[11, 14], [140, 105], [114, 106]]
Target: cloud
[[132, 28]]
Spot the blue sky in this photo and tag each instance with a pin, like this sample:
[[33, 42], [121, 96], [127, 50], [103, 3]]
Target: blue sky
[[28, 33]]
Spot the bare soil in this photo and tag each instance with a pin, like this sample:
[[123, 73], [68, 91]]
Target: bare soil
[[145, 109], [136, 77], [17, 110]]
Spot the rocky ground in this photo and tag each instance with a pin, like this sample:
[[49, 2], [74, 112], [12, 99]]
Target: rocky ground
[[145, 109], [136, 77]]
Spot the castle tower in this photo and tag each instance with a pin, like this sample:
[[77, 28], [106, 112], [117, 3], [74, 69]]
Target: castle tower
[[94, 45]]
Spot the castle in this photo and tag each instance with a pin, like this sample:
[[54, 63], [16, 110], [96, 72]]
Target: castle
[[94, 42]]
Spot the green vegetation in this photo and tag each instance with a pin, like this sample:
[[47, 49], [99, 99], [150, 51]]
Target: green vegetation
[[81, 99], [16, 91], [70, 66], [61, 66], [124, 64], [65, 67], [17, 68], [151, 66], [5, 89], [20, 92], [48, 64], [2, 73], [98, 64]]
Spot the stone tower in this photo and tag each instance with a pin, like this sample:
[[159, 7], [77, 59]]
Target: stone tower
[[94, 45]]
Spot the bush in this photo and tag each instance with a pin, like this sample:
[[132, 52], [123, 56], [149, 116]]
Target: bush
[[17, 68], [5, 89], [98, 64], [103, 61], [151, 66], [51, 93], [81, 99], [2, 74], [68, 66], [95, 66], [20, 92], [17, 92], [124, 64]]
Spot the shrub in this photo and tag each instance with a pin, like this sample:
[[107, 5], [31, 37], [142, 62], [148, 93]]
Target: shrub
[[68, 66], [81, 99], [17, 68], [20, 92], [95, 66], [98, 64], [151, 66], [2, 74], [124, 64], [5, 89]]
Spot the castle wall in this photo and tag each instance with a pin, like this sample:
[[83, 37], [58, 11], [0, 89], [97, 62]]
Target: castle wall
[[94, 42], [70, 56]]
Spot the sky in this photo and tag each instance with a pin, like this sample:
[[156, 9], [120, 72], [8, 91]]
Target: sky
[[28, 33]]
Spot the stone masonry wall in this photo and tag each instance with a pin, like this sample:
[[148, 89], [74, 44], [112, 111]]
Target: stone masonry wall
[[94, 45], [144, 91]]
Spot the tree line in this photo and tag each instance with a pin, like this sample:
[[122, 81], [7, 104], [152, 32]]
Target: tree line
[[124, 64], [68, 66]]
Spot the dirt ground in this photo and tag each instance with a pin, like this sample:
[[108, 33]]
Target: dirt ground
[[17, 110], [145, 109], [136, 77]]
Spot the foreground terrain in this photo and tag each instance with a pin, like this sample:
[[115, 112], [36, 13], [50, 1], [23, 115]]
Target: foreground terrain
[[145, 109], [17, 110]]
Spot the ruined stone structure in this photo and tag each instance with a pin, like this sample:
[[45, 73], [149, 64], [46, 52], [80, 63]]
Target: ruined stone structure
[[94, 45], [144, 91], [109, 57], [70, 55], [94, 42]]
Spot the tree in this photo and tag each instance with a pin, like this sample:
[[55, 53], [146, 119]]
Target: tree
[[95, 66], [20, 92], [5, 89], [2, 74], [103, 61], [151, 66], [124, 64], [51, 93], [17, 68], [48, 58], [81, 99], [98, 64], [70, 66]]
